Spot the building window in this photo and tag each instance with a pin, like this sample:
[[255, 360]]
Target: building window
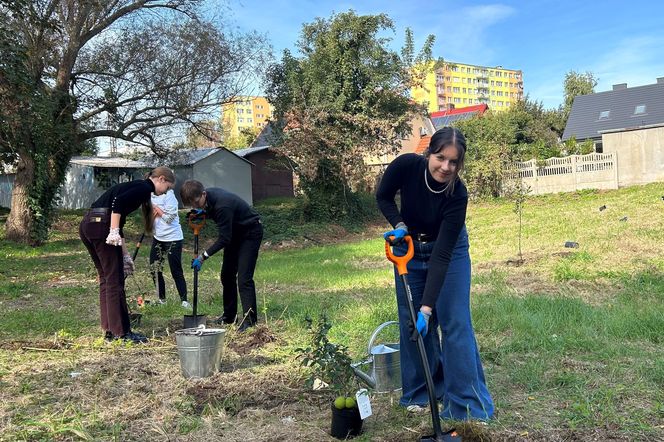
[[640, 109], [248, 111], [240, 120], [598, 147], [240, 111], [457, 80], [250, 120], [604, 115]]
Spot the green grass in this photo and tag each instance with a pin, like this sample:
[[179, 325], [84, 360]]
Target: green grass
[[571, 339]]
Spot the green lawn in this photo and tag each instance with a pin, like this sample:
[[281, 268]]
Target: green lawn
[[571, 338]]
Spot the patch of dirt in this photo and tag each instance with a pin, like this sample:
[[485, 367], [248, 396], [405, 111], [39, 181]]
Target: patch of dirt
[[235, 392], [253, 338], [565, 435]]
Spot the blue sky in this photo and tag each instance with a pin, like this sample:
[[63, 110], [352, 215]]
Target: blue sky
[[619, 41]]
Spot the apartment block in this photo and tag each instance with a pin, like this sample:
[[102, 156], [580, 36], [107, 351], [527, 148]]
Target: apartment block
[[245, 113], [455, 85]]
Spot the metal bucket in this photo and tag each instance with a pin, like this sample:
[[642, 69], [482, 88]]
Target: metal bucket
[[200, 351], [384, 364]]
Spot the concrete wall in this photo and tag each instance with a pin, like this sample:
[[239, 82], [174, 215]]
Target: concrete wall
[[224, 169], [568, 174], [640, 155]]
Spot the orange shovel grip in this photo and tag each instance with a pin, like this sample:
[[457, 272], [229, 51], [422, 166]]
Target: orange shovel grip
[[400, 261], [196, 222]]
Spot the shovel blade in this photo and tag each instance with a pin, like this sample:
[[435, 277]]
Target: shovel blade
[[191, 321]]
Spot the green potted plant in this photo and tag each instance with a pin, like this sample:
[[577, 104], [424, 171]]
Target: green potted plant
[[329, 363]]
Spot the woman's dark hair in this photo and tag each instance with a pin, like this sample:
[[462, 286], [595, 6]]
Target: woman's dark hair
[[449, 136]]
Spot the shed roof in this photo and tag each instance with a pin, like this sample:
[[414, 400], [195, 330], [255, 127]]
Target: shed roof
[[615, 110], [184, 157], [250, 150]]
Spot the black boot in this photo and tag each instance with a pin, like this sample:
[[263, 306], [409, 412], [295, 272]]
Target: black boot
[[223, 319], [136, 338]]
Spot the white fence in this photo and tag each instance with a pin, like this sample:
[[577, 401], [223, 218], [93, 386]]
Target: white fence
[[576, 172]]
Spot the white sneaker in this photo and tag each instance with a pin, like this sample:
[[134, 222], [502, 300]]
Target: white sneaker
[[185, 304], [161, 301], [416, 408]]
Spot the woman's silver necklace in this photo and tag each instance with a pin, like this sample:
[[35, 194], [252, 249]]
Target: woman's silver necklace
[[426, 181]]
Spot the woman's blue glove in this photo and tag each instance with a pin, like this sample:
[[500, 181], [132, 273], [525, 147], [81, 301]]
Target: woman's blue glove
[[398, 233], [197, 263], [423, 323]]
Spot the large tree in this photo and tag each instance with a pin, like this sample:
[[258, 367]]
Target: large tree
[[576, 84], [74, 71], [496, 140], [344, 99]]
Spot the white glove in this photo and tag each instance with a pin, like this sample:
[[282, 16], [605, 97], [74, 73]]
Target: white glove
[[128, 265], [114, 238]]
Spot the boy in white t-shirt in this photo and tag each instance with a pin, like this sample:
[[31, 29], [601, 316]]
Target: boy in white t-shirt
[[167, 243]]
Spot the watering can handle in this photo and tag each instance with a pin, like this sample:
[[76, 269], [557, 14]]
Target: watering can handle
[[400, 261], [375, 333]]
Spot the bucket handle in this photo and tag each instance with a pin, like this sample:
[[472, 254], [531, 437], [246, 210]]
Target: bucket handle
[[375, 333]]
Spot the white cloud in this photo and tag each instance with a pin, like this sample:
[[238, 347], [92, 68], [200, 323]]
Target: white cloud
[[635, 60], [464, 36]]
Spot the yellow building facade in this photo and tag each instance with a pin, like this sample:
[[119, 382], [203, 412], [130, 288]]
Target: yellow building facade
[[245, 113], [456, 85]]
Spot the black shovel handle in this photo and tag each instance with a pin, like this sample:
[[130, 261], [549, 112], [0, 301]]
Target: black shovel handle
[[433, 403], [138, 246], [400, 263], [195, 306]]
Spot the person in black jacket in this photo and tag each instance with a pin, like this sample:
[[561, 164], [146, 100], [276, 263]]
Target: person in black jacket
[[240, 233], [101, 233], [433, 213]]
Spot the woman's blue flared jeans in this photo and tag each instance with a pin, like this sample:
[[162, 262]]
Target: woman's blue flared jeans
[[451, 350]]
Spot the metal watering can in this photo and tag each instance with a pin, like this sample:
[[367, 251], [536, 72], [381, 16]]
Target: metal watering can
[[384, 364]]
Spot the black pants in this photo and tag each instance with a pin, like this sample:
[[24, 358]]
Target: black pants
[[172, 250], [237, 271], [110, 269]]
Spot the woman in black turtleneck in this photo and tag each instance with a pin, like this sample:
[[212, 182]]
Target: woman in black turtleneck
[[101, 232], [433, 213]]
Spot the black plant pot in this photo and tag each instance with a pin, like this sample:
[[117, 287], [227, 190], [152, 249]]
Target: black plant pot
[[346, 422]]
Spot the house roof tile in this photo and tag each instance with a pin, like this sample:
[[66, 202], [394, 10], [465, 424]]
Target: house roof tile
[[587, 121]]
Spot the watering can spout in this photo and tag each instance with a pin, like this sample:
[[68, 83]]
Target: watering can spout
[[371, 382]]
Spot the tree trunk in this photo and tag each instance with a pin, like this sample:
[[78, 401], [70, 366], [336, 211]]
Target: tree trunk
[[19, 221]]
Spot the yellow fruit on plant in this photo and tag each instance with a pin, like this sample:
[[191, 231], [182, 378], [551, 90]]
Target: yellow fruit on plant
[[350, 402], [340, 402]]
